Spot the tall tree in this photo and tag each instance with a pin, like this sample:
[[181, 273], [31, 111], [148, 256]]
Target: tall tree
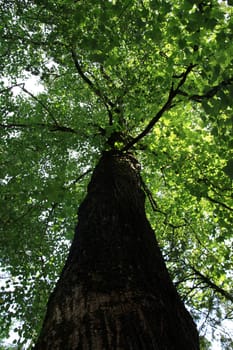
[[150, 77], [114, 291]]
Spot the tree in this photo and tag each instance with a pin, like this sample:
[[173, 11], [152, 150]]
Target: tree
[[148, 77], [114, 291]]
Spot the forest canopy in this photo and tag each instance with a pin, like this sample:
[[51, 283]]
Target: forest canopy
[[151, 77]]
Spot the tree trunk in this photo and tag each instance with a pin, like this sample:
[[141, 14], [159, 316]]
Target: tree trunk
[[114, 292]]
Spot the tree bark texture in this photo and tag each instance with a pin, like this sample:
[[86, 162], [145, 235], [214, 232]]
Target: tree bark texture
[[115, 292]]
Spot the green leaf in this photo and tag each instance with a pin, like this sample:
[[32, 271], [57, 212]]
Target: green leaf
[[132, 57], [228, 169]]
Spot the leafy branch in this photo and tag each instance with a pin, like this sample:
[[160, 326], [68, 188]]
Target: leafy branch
[[168, 105], [217, 189], [155, 208], [39, 102], [11, 87], [208, 94], [35, 98], [213, 200], [50, 127], [206, 280], [106, 101]]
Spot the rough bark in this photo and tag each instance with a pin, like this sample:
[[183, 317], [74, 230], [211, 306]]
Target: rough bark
[[114, 292]]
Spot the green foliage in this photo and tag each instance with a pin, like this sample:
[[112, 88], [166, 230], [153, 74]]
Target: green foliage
[[153, 76]]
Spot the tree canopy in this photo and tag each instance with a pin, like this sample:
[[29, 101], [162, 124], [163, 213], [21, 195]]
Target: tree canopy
[[153, 77]]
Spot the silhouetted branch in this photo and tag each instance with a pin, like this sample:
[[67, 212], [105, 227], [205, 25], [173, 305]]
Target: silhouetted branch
[[11, 87]]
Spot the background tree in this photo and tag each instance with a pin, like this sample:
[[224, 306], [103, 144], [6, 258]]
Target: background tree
[[154, 77]]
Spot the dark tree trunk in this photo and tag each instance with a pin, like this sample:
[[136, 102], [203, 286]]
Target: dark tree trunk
[[114, 292]]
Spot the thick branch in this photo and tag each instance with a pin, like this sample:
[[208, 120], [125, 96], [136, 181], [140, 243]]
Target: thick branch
[[212, 285], [172, 94]]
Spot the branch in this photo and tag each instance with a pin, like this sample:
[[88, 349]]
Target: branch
[[82, 75], [11, 87], [216, 288], [172, 94], [50, 127], [78, 179], [218, 202], [215, 187], [155, 208], [107, 102], [210, 93], [40, 102]]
